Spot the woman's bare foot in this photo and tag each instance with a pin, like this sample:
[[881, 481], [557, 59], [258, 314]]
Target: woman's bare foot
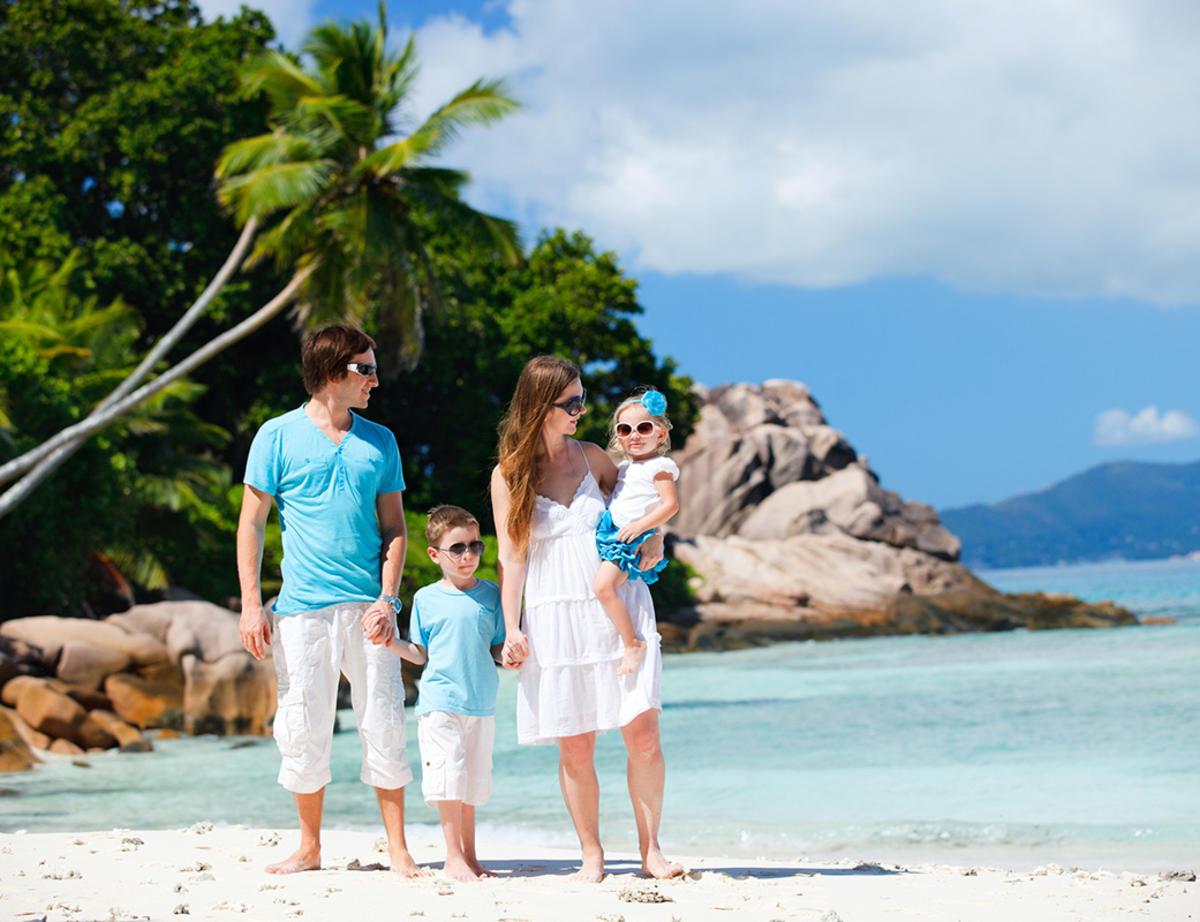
[[300, 860], [631, 657], [591, 870], [457, 868], [479, 869], [655, 865], [403, 864]]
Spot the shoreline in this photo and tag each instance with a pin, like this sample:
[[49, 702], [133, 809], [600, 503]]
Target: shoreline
[[214, 872]]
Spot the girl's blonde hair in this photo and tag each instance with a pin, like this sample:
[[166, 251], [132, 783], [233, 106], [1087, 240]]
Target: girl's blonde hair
[[635, 400], [521, 450]]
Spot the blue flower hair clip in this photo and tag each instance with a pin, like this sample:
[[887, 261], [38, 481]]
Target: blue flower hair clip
[[654, 402]]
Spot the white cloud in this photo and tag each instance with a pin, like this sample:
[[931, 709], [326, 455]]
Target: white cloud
[[1118, 427], [1016, 145], [291, 18]]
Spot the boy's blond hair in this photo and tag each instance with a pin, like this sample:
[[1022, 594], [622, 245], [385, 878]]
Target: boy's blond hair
[[443, 518]]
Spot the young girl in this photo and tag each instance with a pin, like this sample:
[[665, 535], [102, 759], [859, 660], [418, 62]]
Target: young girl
[[643, 499]]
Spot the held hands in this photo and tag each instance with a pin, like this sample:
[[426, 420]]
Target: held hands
[[516, 649], [255, 631], [377, 623], [651, 552]]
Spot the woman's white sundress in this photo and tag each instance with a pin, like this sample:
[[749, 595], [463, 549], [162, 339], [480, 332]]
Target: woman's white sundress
[[569, 683]]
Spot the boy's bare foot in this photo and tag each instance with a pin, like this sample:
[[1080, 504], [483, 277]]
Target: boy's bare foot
[[631, 657], [403, 864], [591, 870], [657, 866], [457, 868], [299, 860]]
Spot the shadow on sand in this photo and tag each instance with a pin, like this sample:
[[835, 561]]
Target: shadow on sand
[[534, 867]]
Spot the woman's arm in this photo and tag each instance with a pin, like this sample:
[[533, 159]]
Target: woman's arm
[[602, 466], [512, 575]]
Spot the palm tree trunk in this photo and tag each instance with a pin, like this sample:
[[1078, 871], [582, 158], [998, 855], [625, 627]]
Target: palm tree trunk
[[55, 457], [83, 429]]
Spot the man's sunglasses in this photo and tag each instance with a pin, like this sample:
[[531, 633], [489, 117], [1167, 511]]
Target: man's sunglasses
[[624, 430], [573, 406], [458, 548], [366, 369]]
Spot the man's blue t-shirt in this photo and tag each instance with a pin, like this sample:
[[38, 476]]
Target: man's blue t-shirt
[[326, 498], [458, 629]]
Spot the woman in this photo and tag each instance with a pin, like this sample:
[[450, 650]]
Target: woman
[[547, 496]]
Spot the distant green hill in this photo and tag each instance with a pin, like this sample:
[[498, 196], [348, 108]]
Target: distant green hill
[[1128, 509]]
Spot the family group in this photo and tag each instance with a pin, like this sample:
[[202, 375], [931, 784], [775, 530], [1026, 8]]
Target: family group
[[578, 546]]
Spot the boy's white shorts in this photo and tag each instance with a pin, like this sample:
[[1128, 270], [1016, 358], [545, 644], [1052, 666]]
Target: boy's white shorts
[[310, 649], [456, 757]]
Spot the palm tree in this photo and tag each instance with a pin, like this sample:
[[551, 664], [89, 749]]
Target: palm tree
[[335, 197]]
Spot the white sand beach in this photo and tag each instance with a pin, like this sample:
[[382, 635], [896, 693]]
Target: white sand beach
[[217, 873]]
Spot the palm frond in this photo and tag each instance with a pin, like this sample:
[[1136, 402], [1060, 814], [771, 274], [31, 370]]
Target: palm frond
[[279, 146], [482, 103], [274, 187], [283, 80]]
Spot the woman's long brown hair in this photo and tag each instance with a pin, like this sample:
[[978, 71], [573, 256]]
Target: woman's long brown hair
[[521, 448]]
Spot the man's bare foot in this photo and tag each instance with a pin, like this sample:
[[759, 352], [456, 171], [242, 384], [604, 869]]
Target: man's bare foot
[[457, 868], [591, 871], [403, 864], [657, 866], [299, 860], [631, 657]]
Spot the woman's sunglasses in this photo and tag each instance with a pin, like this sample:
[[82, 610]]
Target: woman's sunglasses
[[458, 548], [624, 430], [573, 406]]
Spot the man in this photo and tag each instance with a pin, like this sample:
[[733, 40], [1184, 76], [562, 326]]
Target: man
[[337, 481]]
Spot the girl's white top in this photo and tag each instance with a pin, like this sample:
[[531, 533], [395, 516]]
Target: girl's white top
[[635, 493]]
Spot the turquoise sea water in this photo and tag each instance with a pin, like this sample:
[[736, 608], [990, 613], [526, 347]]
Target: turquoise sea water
[[1067, 746]]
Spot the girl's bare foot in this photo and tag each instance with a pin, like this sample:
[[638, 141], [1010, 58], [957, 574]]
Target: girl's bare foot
[[403, 864], [299, 860], [655, 865], [631, 657], [457, 868]]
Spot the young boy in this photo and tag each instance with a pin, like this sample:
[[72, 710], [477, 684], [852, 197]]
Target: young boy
[[458, 624]]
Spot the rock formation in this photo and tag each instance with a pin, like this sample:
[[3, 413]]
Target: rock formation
[[790, 534], [75, 685]]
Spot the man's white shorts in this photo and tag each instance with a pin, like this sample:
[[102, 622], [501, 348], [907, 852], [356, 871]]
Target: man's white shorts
[[456, 757], [310, 649]]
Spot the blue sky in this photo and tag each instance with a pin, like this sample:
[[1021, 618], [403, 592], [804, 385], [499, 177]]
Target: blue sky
[[974, 237]]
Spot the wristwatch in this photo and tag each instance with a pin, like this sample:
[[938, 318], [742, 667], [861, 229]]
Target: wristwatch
[[394, 601]]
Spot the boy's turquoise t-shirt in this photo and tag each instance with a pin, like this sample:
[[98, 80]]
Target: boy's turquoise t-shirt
[[326, 498], [458, 628]]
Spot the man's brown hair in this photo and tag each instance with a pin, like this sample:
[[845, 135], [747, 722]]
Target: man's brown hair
[[326, 352], [443, 518]]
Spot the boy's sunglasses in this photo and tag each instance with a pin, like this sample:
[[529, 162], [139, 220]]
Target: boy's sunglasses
[[458, 548], [366, 369], [624, 430], [573, 406]]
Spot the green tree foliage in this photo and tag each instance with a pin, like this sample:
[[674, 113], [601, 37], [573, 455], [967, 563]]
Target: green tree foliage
[[153, 475], [114, 116], [344, 189], [114, 112]]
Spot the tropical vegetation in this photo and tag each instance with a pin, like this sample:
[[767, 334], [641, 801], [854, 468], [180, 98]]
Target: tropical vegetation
[[147, 146]]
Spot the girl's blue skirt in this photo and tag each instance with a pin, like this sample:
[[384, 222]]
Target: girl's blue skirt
[[625, 554]]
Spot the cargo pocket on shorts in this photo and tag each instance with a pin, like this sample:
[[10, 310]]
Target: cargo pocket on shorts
[[433, 778], [291, 729]]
